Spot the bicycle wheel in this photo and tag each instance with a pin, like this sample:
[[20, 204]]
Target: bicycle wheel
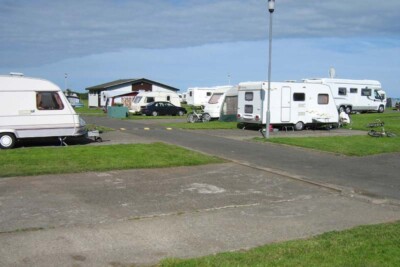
[[388, 134], [192, 118], [374, 133], [206, 117]]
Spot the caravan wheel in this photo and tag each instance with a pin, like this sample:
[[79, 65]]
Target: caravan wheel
[[347, 110], [299, 126], [7, 140]]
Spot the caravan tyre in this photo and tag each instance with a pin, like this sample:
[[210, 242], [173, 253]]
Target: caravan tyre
[[299, 126], [347, 110], [341, 109], [7, 140]]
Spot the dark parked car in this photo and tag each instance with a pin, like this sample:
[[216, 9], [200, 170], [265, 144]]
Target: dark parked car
[[162, 108]]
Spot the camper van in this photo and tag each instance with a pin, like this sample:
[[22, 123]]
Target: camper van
[[199, 96], [217, 104], [355, 95], [31, 108], [292, 104], [143, 98]]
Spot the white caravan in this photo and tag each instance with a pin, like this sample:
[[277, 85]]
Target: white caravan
[[143, 98], [355, 95], [199, 96], [292, 104], [216, 105], [31, 107]]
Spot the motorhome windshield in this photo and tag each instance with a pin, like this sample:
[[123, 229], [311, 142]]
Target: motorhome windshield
[[137, 99], [214, 99]]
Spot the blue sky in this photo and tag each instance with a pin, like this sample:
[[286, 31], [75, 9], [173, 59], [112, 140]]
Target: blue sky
[[199, 42]]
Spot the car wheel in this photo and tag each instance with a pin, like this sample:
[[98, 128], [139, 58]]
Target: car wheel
[[181, 113], [7, 140], [154, 113], [299, 126]]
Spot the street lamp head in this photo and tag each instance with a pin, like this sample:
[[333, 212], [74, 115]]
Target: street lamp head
[[271, 5]]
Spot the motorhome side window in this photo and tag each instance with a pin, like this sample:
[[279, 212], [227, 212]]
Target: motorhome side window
[[299, 96], [248, 96], [342, 91], [353, 90], [366, 92], [323, 99], [48, 101]]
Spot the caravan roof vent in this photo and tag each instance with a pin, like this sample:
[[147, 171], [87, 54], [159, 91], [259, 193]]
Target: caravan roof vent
[[16, 74]]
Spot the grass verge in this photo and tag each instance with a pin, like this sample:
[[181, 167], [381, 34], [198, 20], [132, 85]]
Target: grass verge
[[353, 145], [203, 125], [73, 159], [373, 245]]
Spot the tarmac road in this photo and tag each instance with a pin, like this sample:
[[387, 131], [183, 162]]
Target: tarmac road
[[373, 176], [138, 217]]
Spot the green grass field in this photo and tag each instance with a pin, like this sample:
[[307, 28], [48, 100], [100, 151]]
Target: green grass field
[[375, 245], [73, 159]]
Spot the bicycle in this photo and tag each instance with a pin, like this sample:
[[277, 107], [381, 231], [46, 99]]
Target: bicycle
[[382, 132], [194, 116]]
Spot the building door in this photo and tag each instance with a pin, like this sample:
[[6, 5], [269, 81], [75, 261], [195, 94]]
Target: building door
[[285, 103]]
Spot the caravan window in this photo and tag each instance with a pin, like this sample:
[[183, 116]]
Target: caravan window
[[342, 91], [323, 99], [150, 99], [214, 99], [353, 90], [48, 101], [299, 96], [366, 92], [168, 98], [248, 96], [248, 109], [137, 99]]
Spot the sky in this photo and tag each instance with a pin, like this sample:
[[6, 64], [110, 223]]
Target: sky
[[197, 43]]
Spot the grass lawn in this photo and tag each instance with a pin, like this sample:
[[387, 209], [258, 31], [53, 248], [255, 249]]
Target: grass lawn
[[72, 159], [353, 145], [89, 111], [374, 245]]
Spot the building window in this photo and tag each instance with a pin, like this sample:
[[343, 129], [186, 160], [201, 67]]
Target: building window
[[353, 90], [299, 96], [248, 96], [342, 91], [323, 99], [48, 101]]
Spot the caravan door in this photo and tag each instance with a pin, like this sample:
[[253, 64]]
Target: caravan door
[[286, 93]]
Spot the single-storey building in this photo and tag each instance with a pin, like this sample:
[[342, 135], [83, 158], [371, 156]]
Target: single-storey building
[[130, 85]]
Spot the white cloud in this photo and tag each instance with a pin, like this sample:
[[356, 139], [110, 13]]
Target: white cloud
[[44, 31]]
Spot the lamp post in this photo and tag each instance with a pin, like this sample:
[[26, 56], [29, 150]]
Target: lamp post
[[66, 80], [271, 8]]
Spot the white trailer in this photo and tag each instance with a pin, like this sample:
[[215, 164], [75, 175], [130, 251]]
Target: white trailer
[[199, 96], [291, 104], [217, 105], [355, 95], [143, 98], [31, 108]]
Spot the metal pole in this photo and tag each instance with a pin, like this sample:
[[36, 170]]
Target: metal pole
[[269, 78]]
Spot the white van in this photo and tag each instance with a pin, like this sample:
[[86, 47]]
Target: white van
[[143, 98], [31, 107], [355, 95], [292, 104], [215, 105]]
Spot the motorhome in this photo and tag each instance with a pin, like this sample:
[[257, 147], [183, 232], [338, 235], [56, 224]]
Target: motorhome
[[34, 108], [199, 96], [291, 104], [219, 104], [355, 95], [143, 98]]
